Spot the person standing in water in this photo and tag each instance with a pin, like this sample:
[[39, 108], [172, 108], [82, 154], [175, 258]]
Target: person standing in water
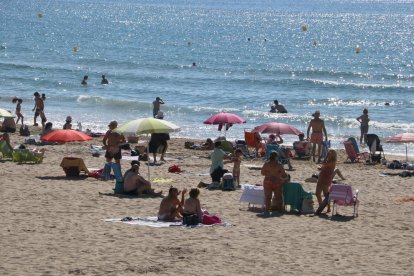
[[156, 106], [104, 80], [277, 108], [363, 120], [84, 81]]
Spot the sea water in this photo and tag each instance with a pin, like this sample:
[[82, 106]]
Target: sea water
[[335, 56]]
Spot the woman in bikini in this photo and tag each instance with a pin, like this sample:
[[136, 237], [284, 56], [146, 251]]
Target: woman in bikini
[[275, 177], [325, 177]]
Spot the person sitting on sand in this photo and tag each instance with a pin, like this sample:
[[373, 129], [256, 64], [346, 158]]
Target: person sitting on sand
[[68, 124], [274, 139], [48, 129], [325, 177], [275, 177], [302, 147], [192, 205], [208, 144], [8, 125], [134, 183], [171, 207], [5, 139]]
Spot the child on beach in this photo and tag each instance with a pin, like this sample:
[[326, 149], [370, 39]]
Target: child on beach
[[236, 160], [171, 207], [363, 119], [18, 109], [68, 123], [192, 205]]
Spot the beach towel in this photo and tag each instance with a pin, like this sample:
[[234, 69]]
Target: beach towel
[[154, 222]]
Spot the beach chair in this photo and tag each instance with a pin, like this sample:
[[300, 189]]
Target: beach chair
[[249, 137], [72, 166], [5, 150], [375, 148], [341, 194], [363, 155], [270, 148], [26, 156], [293, 195], [241, 144], [350, 152], [300, 152]]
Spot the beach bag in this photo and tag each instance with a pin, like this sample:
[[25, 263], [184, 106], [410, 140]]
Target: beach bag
[[190, 219], [228, 183], [24, 130], [210, 220], [174, 169], [307, 206]]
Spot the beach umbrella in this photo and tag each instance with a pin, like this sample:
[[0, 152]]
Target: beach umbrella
[[5, 113], [223, 118], [65, 136], [402, 138], [277, 128], [147, 126]]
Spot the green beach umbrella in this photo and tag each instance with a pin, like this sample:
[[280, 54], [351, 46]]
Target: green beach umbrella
[[147, 126], [5, 113]]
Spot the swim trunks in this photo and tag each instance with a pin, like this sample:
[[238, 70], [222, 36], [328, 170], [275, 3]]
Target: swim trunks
[[316, 137], [116, 156], [272, 183], [364, 128]]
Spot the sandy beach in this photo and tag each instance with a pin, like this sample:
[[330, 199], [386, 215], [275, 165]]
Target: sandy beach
[[53, 225]]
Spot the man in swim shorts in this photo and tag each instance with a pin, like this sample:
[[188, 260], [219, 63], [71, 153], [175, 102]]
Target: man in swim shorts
[[39, 109], [112, 141], [318, 131]]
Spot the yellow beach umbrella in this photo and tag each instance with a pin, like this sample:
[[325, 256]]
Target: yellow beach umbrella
[[5, 113]]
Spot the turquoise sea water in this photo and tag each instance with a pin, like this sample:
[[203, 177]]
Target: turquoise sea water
[[248, 53]]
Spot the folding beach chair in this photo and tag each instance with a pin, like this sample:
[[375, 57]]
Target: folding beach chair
[[350, 151], [249, 137], [26, 156], [241, 144], [341, 194], [375, 148], [300, 152]]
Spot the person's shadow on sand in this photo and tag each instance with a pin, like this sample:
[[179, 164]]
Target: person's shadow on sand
[[62, 177]]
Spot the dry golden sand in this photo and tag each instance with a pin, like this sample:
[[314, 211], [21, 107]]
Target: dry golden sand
[[52, 225]]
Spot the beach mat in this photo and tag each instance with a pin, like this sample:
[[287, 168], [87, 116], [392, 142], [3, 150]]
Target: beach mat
[[153, 222]]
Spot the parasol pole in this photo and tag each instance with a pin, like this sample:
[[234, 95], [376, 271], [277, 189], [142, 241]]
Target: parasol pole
[[148, 160]]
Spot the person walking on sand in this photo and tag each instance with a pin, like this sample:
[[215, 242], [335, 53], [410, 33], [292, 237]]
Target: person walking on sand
[[18, 109], [156, 106], [318, 131], [363, 119], [39, 109]]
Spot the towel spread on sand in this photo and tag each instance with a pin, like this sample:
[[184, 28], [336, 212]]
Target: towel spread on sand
[[154, 222], [161, 180]]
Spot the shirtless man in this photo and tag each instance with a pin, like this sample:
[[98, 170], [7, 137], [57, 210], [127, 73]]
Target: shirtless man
[[277, 108], [112, 141], [156, 106], [171, 207], [318, 132], [135, 183], [39, 109]]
